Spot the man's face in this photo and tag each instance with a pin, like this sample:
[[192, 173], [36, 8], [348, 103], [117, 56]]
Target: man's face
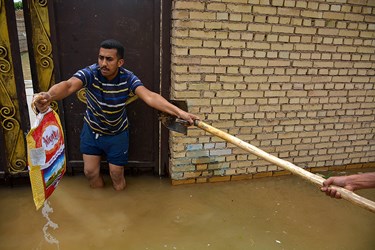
[[109, 63]]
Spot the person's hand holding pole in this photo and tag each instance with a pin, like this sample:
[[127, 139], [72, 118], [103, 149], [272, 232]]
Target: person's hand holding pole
[[350, 182]]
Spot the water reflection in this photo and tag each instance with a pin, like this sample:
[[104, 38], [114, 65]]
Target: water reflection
[[270, 213]]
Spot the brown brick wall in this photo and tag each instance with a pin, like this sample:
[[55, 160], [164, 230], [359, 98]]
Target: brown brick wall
[[294, 78]]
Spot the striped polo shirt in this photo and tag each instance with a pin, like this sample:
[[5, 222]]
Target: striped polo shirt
[[106, 111]]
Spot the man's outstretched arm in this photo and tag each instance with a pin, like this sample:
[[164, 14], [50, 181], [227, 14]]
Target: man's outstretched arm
[[57, 92], [158, 102]]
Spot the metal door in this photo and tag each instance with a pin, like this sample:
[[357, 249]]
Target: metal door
[[74, 32], [14, 121]]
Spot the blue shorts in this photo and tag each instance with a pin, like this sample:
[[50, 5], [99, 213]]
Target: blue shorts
[[114, 147]]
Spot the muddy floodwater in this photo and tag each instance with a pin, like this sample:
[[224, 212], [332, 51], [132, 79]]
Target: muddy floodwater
[[269, 213]]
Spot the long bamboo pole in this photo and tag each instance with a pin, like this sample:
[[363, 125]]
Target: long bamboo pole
[[315, 179]]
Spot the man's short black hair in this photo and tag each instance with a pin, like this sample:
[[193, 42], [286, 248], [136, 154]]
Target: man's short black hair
[[114, 44]]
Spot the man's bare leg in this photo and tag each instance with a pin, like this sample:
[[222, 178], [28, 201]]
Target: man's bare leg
[[117, 175], [92, 170]]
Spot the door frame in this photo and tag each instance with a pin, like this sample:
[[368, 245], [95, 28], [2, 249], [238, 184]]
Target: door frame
[[166, 18]]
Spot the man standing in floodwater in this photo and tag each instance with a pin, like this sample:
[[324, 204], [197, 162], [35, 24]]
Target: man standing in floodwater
[[105, 130]]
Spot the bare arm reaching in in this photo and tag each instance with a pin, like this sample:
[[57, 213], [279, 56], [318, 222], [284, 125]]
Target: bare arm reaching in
[[350, 182]]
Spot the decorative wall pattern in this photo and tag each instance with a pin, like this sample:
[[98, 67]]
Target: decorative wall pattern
[[9, 105], [41, 43], [42, 47]]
